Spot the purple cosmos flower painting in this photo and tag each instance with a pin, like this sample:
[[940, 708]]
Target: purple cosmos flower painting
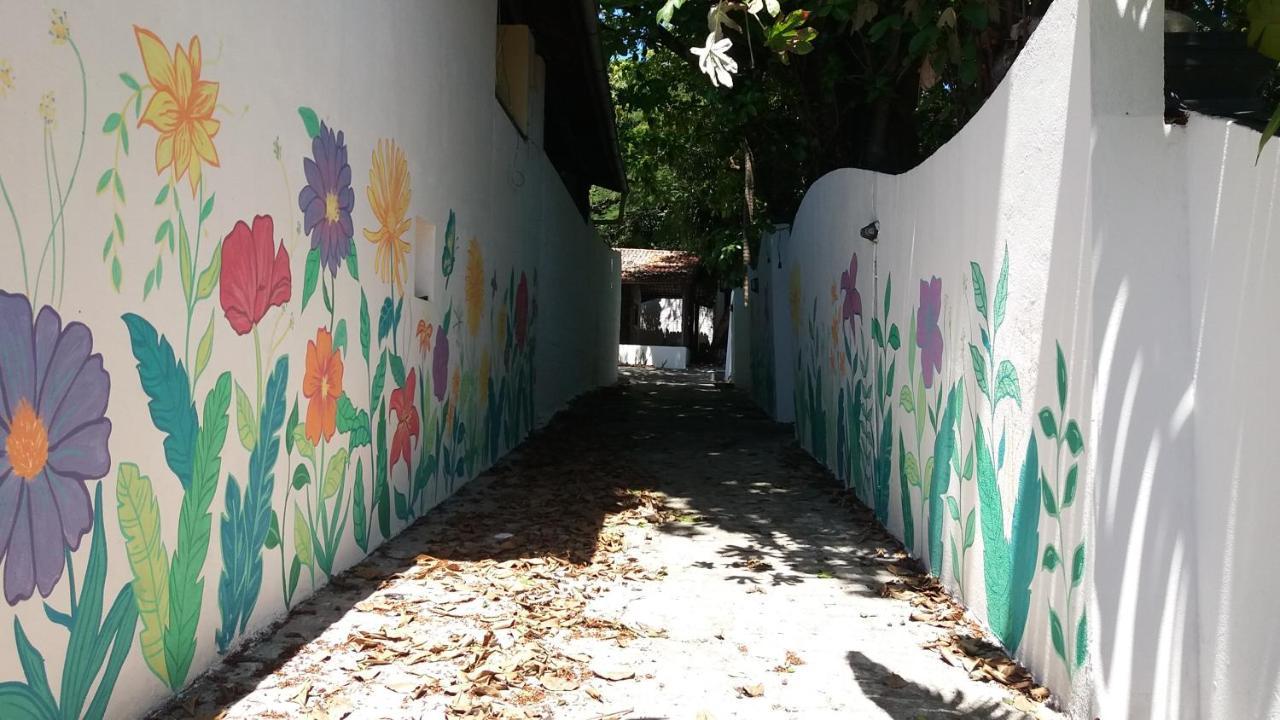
[[53, 440], [928, 334], [327, 199], [849, 286]]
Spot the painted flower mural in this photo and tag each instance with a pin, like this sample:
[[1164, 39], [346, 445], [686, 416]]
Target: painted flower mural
[[474, 287], [327, 199], [389, 193], [522, 311], [928, 333], [407, 429], [425, 330], [252, 281], [53, 433], [440, 363], [849, 286], [322, 386], [181, 108]]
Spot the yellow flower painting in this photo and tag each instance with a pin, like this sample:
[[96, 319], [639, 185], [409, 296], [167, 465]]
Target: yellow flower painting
[[389, 193], [181, 108]]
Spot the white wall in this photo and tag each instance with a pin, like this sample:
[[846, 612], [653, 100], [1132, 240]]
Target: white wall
[[1142, 249], [419, 75]]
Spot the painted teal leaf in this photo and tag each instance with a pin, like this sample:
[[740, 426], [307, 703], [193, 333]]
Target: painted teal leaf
[[1077, 565], [379, 380], [970, 528], [1047, 423], [162, 195], [32, 665], [129, 82], [979, 369], [967, 472], [1007, 385], [124, 138], [944, 448], [1002, 293], [876, 333], [904, 495], [1050, 502], [1075, 440], [448, 254], [301, 476], [397, 370], [273, 534], [186, 585], [1049, 561], [117, 630], [359, 513], [1082, 640], [382, 490], [1055, 629], [953, 508], [894, 340], [164, 381], [290, 426], [386, 319], [364, 326], [340, 336], [353, 263], [1024, 545], [979, 289], [888, 289], [310, 276], [1062, 380], [105, 180], [955, 560], [1069, 491], [401, 505], [18, 700], [118, 186], [245, 527], [310, 122], [111, 123], [207, 209]]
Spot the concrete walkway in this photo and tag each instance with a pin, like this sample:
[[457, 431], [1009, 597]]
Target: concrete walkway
[[662, 550]]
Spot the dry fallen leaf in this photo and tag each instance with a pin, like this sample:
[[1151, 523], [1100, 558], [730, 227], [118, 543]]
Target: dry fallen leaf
[[755, 690], [612, 672]]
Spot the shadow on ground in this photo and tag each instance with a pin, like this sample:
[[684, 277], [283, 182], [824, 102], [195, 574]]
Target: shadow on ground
[[704, 444]]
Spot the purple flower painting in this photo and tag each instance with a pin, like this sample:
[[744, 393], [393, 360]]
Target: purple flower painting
[[53, 440], [327, 199], [849, 286], [928, 334]]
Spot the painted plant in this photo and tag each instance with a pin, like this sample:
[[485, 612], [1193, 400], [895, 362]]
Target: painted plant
[[58, 182], [169, 591], [54, 434], [255, 277]]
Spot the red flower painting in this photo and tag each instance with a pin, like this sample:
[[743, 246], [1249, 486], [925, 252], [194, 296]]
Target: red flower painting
[[252, 280], [406, 418]]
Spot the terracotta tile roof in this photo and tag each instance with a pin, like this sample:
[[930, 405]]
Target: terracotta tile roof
[[642, 265]]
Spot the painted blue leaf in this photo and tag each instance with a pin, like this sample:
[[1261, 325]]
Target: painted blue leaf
[[386, 319], [247, 526], [164, 380]]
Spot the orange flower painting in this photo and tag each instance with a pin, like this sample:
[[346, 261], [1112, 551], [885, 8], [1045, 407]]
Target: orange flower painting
[[181, 108], [322, 386]]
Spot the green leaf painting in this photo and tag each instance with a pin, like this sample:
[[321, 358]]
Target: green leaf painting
[[139, 516], [245, 525], [164, 380]]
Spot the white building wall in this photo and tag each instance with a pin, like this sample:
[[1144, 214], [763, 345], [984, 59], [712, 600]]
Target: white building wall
[[414, 76]]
